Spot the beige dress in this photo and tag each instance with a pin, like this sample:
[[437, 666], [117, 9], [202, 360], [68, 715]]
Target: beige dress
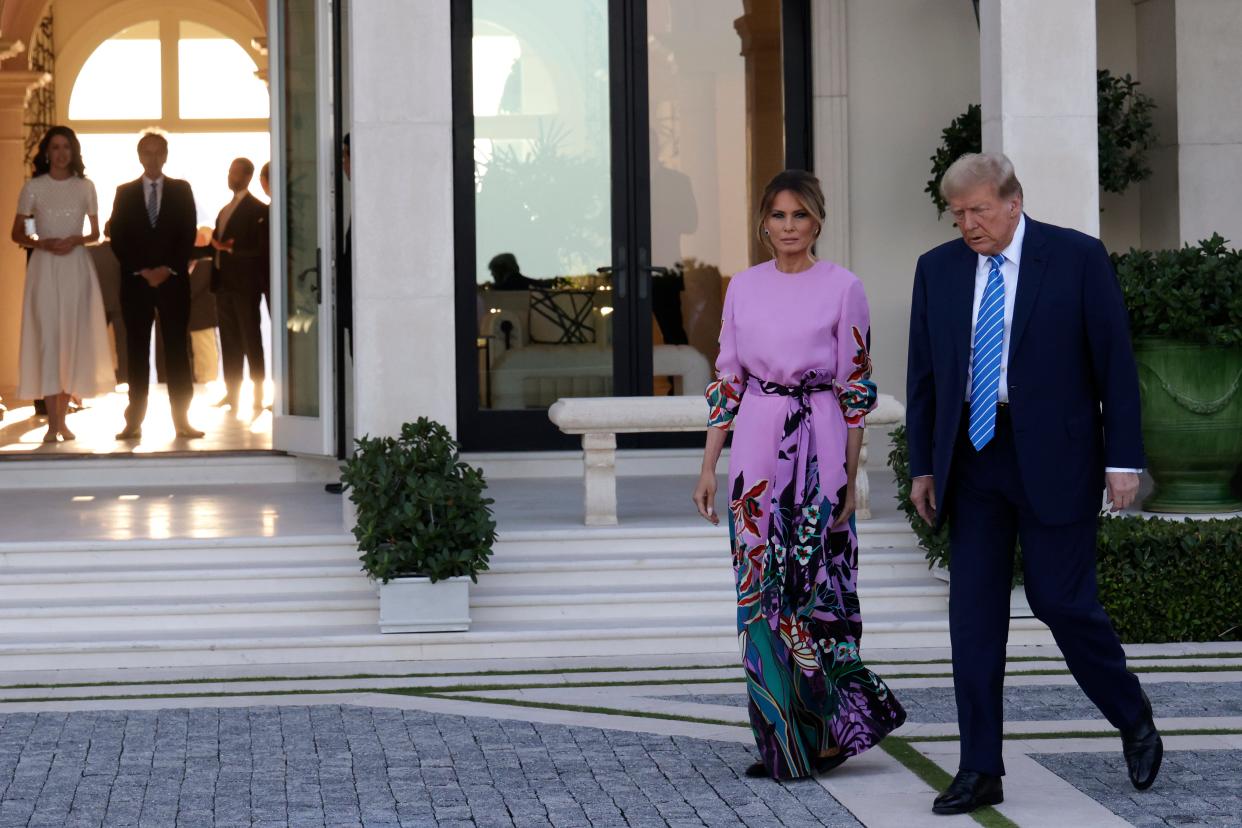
[[64, 346]]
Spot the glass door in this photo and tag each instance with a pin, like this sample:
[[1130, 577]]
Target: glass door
[[608, 154], [302, 217], [716, 128], [538, 280]]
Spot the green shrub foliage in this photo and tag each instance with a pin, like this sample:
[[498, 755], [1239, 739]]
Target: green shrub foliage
[[421, 509], [1164, 580], [1193, 294], [935, 542], [1160, 580], [1125, 134], [963, 135]]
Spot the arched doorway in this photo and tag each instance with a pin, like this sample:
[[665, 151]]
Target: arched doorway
[[196, 70]]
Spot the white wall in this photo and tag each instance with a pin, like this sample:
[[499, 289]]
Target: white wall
[[913, 67]]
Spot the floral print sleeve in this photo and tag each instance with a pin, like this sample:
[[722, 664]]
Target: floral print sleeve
[[724, 394], [855, 390]]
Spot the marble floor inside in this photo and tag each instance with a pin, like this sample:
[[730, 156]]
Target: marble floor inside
[[96, 426]]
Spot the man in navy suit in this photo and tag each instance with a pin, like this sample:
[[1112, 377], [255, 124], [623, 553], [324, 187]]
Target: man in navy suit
[[1022, 407]]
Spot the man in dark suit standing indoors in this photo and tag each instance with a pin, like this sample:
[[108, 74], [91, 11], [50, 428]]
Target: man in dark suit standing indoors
[[153, 227], [241, 249], [1022, 407]]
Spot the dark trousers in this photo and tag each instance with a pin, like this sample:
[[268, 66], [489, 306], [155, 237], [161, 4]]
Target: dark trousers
[[989, 511], [240, 338], [139, 304]]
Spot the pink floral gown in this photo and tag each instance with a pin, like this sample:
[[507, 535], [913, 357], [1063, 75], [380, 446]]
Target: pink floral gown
[[793, 376]]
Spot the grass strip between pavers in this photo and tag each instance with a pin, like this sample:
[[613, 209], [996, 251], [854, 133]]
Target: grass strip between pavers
[[409, 691], [1090, 734], [353, 676], [582, 708], [587, 670], [937, 778]]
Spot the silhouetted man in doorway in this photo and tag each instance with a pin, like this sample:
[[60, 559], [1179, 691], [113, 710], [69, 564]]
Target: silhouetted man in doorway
[[240, 242], [152, 228]]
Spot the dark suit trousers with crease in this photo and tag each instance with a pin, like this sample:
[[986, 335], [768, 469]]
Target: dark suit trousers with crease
[[139, 304], [989, 511], [240, 337]]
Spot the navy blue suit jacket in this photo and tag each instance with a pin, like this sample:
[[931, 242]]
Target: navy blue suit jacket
[[1073, 386]]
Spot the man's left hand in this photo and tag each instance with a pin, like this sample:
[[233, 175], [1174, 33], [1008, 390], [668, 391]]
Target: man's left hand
[[1122, 489]]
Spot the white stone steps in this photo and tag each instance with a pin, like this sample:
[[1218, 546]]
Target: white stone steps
[[212, 646], [673, 600], [874, 534], [132, 616], [120, 583], [338, 549], [128, 472]]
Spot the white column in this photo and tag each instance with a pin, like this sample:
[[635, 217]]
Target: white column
[[13, 88], [830, 70], [402, 154], [1037, 76], [1189, 62]]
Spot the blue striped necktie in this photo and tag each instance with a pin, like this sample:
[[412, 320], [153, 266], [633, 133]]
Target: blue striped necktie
[[985, 366], [153, 208]]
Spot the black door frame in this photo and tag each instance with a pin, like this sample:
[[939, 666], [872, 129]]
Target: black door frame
[[508, 430]]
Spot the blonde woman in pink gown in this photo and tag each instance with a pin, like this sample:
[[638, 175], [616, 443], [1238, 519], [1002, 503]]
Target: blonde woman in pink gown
[[794, 384], [64, 341]]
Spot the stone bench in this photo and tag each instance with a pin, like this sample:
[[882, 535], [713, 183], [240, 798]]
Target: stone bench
[[600, 419]]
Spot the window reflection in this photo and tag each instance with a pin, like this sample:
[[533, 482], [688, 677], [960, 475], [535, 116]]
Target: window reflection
[[543, 211]]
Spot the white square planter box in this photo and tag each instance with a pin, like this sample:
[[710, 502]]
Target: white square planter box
[[417, 605]]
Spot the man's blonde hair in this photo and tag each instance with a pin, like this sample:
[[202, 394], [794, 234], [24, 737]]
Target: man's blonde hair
[[975, 168]]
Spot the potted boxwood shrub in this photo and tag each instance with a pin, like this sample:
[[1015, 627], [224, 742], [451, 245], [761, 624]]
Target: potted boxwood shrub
[[1186, 321], [424, 528]]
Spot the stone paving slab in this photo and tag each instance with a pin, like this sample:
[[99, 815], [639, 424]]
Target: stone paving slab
[[1046, 703], [352, 765], [1201, 787]]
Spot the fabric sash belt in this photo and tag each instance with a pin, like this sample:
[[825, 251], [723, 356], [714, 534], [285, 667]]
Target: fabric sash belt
[[812, 382]]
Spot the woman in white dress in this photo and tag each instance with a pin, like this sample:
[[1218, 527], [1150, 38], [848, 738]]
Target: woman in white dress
[[64, 345]]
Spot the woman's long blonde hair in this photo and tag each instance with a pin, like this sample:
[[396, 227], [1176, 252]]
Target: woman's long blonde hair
[[804, 187]]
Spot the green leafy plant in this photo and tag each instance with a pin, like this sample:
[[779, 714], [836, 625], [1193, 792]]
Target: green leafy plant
[[1192, 293], [1125, 134], [1165, 580], [934, 542], [420, 508], [963, 135]]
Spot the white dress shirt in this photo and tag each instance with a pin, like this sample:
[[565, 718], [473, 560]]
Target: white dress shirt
[[222, 220]]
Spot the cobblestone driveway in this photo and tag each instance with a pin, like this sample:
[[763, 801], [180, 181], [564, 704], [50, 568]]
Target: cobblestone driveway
[[360, 766]]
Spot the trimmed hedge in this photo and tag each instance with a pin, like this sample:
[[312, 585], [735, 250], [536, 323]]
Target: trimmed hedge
[[1160, 580], [1165, 580]]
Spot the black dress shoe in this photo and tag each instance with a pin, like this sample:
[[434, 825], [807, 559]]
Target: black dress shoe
[[969, 790], [334, 488], [1143, 749], [758, 771]]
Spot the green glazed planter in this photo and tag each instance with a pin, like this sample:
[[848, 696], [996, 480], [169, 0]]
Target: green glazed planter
[[1192, 423]]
